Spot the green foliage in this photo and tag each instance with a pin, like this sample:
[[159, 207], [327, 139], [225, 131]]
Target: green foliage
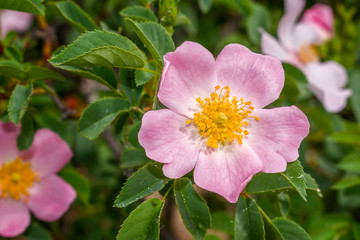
[[74, 15], [154, 37], [139, 14], [193, 209], [248, 220], [132, 157], [27, 72], [26, 136], [19, 101], [143, 222], [293, 177], [290, 230], [99, 115], [30, 6], [144, 182], [100, 48]]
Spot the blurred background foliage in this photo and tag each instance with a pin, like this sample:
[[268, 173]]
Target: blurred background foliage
[[98, 170]]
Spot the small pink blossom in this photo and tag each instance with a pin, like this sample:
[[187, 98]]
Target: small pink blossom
[[215, 122], [297, 45], [14, 21], [28, 180], [320, 18]]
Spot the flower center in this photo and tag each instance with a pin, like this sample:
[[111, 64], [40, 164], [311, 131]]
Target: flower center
[[308, 53], [15, 179], [222, 119]]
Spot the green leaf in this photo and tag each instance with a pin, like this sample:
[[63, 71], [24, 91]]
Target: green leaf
[[13, 53], [19, 101], [30, 6], [133, 134], [248, 220], [296, 177], [142, 77], [139, 14], [268, 182], [78, 181], [100, 48], [290, 230], [99, 114], [258, 19], [144, 182], [284, 203], [347, 182], [103, 75], [155, 38], [193, 209], [205, 5], [26, 136], [27, 73], [132, 92], [36, 232], [351, 162], [354, 82], [133, 157], [41, 73], [222, 221], [74, 15], [143, 222]]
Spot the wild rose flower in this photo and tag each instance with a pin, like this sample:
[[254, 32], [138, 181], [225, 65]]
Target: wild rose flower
[[28, 180], [14, 21], [320, 18], [215, 123], [298, 46]]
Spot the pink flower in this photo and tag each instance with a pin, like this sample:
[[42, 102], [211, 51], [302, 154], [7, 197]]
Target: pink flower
[[320, 18], [28, 180], [297, 46], [215, 123], [14, 21]]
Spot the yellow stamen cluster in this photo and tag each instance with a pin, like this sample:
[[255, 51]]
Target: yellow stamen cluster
[[308, 53], [15, 179], [222, 119]]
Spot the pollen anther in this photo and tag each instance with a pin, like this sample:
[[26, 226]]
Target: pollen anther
[[15, 179], [222, 119]]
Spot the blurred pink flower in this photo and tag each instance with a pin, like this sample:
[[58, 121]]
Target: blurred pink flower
[[320, 18], [28, 180], [14, 21], [297, 45], [215, 123]]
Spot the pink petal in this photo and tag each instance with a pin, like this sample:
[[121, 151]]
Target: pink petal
[[14, 21], [48, 153], [255, 77], [271, 46], [304, 35], [285, 31], [321, 18], [8, 147], [188, 73], [168, 139], [327, 80], [276, 137], [51, 198], [14, 217], [226, 171]]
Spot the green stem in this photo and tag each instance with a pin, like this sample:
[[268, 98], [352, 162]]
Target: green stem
[[167, 192]]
